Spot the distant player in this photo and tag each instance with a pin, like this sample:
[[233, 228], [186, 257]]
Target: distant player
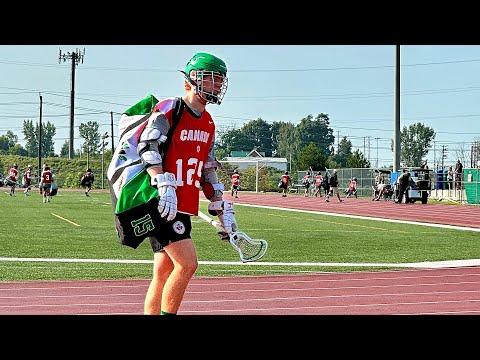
[[306, 181], [87, 181], [352, 188], [27, 180], [235, 183], [11, 180], [46, 180], [284, 182], [318, 183]]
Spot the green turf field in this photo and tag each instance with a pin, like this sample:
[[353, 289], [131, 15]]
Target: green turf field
[[29, 230]]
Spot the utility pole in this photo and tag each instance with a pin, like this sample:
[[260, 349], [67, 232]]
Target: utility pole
[[40, 141], [338, 141], [377, 152], [434, 156], [396, 133], [76, 57], [111, 131], [88, 153], [364, 152], [444, 154], [104, 136], [369, 149]]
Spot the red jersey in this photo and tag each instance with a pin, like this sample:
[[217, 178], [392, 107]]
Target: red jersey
[[12, 174], [27, 175], [285, 179], [352, 185], [187, 154], [318, 180], [235, 179], [47, 177]]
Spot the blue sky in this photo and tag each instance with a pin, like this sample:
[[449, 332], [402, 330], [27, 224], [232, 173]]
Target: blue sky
[[353, 84]]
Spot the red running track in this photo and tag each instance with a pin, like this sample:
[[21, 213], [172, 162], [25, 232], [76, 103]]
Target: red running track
[[463, 215], [434, 291]]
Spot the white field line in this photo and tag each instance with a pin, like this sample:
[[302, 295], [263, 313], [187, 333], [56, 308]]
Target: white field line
[[425, 264], [443, 226]]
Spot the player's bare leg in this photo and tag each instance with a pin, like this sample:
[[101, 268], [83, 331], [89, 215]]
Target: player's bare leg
[[162, 268], [338, 196], [184, 258]]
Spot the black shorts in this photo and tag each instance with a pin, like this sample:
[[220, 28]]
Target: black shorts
[[171, 231], [235, 187], [47, 187]]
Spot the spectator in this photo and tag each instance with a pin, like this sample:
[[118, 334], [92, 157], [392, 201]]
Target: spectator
[[403, 183], [450, 178], [379, 191], [458, 175], [326, 184], [333, 187]]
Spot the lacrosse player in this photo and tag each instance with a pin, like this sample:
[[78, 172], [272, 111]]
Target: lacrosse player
[[46, 180], [27, 180], [12, 179], [87, 181], [235, 183], [284, 182], [179, 165]]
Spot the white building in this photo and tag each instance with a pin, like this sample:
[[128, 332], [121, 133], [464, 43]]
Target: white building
[[254, 157]]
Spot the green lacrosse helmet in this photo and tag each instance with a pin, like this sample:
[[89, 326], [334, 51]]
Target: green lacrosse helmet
[[207, 66]]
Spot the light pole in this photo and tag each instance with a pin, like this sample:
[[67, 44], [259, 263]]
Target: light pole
[[104, 136]]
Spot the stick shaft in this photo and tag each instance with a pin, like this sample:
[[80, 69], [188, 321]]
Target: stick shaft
[[207, 218]]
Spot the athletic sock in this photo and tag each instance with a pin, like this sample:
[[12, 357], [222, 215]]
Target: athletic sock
[[166, 313]]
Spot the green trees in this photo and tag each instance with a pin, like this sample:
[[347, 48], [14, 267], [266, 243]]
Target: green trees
[[31, 134], [415, 141], [89, 132]]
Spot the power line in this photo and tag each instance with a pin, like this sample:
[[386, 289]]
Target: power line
[[337, 68]]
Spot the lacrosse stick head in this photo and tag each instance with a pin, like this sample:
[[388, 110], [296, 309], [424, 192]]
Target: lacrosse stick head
[[249, 249]]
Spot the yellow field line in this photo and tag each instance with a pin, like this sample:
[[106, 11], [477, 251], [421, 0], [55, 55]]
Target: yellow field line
[[71, 222]]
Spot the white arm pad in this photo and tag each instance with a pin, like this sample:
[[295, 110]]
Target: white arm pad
[[152, 134], [148, 146]]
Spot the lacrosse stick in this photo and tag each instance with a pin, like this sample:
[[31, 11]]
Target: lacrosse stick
[[249, 249]]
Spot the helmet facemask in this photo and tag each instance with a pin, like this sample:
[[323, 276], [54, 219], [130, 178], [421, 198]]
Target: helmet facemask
[[211, 86]]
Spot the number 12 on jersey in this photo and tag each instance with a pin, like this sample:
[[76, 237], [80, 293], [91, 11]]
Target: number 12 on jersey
[[193, 166]]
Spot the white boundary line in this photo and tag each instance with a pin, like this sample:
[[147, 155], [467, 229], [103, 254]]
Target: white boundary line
[[425, 264], [58, 216], [443, 226]]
